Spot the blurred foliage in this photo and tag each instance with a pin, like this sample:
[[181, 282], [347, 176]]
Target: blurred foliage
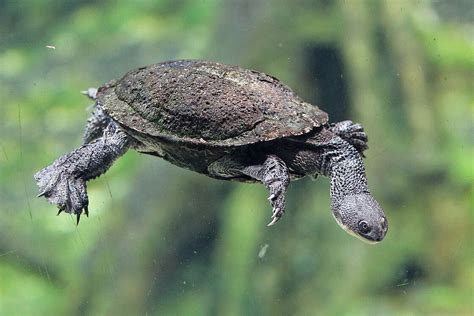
[[164, 241]]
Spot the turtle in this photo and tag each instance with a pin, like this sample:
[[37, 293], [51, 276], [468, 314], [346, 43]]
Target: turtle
[[225, 122]]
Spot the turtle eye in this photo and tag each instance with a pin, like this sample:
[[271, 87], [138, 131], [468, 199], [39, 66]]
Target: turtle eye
[[364, 228]]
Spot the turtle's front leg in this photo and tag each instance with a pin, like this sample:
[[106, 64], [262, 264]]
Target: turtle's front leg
[[353, 133], [64, 182], [273, 173], [275, 176]]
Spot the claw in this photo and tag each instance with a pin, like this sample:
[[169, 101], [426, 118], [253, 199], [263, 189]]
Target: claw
[[86, 211], [271, 197], [60, 211], [274, 220], [275, 217], [41, 194], [78, 216]]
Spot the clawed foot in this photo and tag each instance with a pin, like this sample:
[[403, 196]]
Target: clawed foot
[[65, 190], [277, 200], [353, 133], [273, 173]]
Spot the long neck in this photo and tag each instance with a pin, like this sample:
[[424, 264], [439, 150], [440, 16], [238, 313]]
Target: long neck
[[344, 166]]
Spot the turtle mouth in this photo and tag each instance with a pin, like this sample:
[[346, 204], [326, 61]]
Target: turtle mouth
[[367, 239]]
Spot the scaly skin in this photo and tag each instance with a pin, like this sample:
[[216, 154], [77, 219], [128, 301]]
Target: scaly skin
[[64, 182], [354, 208], [353, 133], [225, 122], [324, 153]]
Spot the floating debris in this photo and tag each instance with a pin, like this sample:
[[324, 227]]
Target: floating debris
[[51, 46], [263, 251]]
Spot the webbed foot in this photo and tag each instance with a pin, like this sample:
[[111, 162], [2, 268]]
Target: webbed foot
[[64, 181], [62, 188], [353, 133]]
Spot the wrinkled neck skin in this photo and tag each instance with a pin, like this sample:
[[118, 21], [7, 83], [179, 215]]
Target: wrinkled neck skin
[[344, 166], [325, 153], [352, 204]]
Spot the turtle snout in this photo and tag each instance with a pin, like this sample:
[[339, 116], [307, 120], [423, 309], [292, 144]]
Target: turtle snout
[[384, 223], [383, 228]]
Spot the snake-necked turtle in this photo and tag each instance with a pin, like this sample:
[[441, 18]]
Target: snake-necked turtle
[[227, 123]]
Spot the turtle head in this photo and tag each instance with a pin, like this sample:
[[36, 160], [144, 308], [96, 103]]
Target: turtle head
[[361, 216]]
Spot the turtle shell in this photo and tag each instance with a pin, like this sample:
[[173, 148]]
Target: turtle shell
[[203, 102]]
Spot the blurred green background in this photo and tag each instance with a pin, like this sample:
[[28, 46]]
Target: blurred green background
[[165, 241]]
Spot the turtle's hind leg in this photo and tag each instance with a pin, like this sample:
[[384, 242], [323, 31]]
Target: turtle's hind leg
[[273, 173], [96, 124], [64, 181]]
